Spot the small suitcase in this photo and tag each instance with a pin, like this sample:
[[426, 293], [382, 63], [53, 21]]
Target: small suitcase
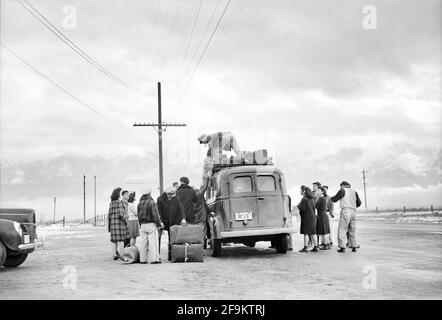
[[188, 233], [187, 252], [248, 157], [260, 156]]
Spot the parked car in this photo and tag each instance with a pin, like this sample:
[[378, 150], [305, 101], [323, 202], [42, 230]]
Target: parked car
[[248, 203], [17, 236]]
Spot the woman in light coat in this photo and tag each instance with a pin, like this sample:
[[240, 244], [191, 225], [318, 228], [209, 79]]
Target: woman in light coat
[[133, 224]]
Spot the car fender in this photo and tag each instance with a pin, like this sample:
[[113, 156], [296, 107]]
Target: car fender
[[214, 226], [8, 235]]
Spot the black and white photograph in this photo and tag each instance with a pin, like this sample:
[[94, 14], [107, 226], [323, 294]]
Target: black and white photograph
[[213, 150]]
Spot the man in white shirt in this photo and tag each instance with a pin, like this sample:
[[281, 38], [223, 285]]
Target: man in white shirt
[[349, 201]]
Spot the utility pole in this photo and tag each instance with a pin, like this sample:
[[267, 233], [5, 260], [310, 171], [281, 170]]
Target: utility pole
[[365, 188], [84, 197], [55, 204], [160, 125], [95, 200]]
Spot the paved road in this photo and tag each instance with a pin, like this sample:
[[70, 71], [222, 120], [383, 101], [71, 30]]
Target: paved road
[[396, 261]]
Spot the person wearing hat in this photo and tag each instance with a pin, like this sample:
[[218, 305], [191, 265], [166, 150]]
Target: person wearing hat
[[172, 210], [150, 222], [188, 198], [349, 201]]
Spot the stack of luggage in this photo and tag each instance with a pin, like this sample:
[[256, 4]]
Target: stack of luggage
[[186, 243], [248, 157]]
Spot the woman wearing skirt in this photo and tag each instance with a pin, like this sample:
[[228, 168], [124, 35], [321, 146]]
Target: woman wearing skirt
[[133, 224], [308, 218], [323, 223]]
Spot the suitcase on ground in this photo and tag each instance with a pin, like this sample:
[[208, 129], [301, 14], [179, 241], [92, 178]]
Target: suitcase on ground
[[187, 252], [189, 233], [260, 156]]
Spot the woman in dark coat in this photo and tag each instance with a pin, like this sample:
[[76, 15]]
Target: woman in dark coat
[[308, 218], [323, 223], [117, 224]]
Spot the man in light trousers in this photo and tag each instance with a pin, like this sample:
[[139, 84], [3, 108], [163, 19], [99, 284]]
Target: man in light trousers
[[150, 222], [349, 201]]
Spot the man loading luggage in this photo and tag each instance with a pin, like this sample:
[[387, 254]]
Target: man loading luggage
[[217, 143], [171, 210]]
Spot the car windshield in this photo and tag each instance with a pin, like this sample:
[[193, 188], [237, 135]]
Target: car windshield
[[266, 183], [242, 184]]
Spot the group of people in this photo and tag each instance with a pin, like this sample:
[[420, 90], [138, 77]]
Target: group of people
[[316, 210], [142, 224]]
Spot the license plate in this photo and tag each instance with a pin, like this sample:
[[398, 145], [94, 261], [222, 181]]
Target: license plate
[[241, 216], [26, 238]]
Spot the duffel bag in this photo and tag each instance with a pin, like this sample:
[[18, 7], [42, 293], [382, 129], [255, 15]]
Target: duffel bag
[[130, 254]]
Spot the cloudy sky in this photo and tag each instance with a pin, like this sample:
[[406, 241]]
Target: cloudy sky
[[307, 80]]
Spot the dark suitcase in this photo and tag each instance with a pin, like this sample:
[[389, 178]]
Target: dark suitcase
[[189, 233], [187, 252], [260, 156]]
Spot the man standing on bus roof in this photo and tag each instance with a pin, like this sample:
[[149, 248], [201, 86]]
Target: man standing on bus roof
[[219, 142], [349, 200]]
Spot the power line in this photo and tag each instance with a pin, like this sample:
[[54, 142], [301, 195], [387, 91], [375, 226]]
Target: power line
[[60, 87], [183, 77], [190, 40], [202, 55], [183, 37], [171, 30], [239, 42], [224, 36], [51, 27]]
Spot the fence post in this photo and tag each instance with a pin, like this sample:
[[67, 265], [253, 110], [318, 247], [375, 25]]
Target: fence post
[[64, 221], [432, 209], [377, 212], [404, 209]]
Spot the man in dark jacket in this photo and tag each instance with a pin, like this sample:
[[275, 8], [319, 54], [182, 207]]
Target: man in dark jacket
[[188, 198], [171, 209], [150, 222]]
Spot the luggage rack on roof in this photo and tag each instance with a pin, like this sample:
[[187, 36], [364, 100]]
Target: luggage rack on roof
[[248, 159], [218, 167]]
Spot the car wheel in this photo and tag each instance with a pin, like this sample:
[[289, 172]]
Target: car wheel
[[215, 247], [282, 244], [2, 253], [15, 260]]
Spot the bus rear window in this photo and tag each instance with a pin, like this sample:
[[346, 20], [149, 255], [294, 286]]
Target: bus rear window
[[266, 183], [242, 184]]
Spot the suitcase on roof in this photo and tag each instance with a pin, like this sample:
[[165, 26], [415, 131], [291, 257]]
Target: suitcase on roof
[[260, 156]]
